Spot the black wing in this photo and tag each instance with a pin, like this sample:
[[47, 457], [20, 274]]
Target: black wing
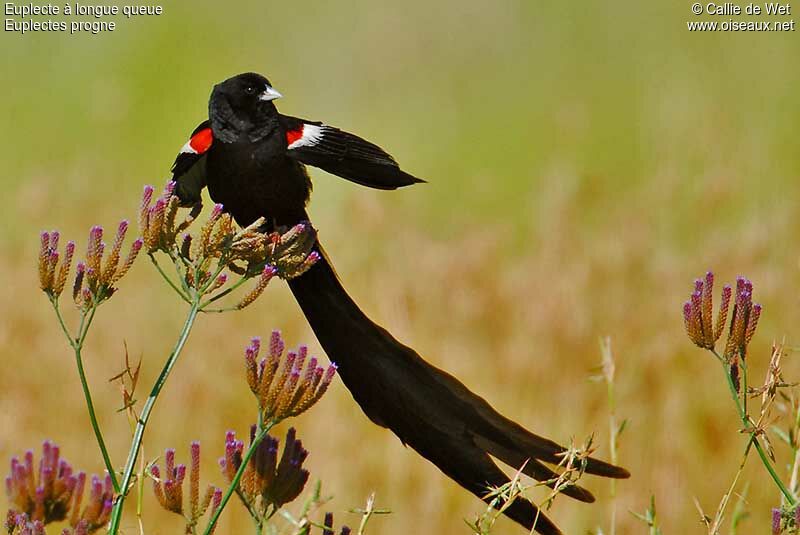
[[343, 154], [189, 169]]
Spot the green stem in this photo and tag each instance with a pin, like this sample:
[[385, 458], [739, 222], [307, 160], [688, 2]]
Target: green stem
[[93, 418], [169, 281], [77, 346], [116, 512], [743, 366], [754, 439], [250, 507], [237, 477], [258, 522], [223, 294], [726, 498]]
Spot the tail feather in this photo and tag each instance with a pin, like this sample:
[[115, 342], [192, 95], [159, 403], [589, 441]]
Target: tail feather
[[474, 470], [427, 408], [533, 468], [510, 442]]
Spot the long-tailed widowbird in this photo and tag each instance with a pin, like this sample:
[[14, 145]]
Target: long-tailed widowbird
[[252, 159]]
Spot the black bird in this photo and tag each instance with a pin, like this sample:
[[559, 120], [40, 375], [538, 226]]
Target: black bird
[[252, 159]]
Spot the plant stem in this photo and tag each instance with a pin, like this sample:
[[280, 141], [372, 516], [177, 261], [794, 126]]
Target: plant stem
[[613, 429], [714, 528], [754, 439], [224, 293], [368, 514], [93, 419], [116, 512], [166, 278], [77, 346], [238, 476]]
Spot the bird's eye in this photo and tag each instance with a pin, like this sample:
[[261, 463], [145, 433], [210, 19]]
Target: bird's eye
[[250, 90]]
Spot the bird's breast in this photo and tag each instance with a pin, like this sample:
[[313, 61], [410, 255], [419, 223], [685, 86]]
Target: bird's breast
[[255, 180]]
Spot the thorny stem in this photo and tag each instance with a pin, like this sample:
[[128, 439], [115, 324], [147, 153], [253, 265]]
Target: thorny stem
[[753, 437], [261, 433], [116, 512], [77, 344]]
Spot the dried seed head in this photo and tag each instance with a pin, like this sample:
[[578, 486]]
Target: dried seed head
[[707, 310], [276, 344], [52, 278], [155, 225], [261, 285], [218, 246], [44, 259], [144, 208], [250, 356], [285, 386], [722, 315], [687, 320], [136, 246], [223, 234], [63, 272], [94, 249], [169, 219], [112, 262], [168, 485], [194, 480], [54, 236], [158, 488], [157, 222], [743, 321], [698, 315], [752, 323], [216, 501], [232, 460], [204, 239]]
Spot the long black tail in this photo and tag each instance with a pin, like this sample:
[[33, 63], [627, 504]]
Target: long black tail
[[429, 409]]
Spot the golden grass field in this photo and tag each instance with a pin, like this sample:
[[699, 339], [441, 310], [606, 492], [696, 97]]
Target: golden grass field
[[585, 161]]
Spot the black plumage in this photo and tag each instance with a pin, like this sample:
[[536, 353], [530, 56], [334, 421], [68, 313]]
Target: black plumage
[[254, 166]]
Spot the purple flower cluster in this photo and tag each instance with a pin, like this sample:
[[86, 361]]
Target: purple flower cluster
[[704, 332], [52, 492], [168, 487], [266, 481], [286, 386]]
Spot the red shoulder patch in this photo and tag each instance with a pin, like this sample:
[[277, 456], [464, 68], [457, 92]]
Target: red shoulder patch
[[293, 135], [202, 140]]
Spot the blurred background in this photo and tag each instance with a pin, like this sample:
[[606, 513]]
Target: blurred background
[[586, 161]]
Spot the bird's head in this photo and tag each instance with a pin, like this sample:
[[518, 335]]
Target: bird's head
[[242, 105]]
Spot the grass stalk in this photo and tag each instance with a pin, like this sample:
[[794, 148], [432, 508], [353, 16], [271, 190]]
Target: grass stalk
[[138, 435]]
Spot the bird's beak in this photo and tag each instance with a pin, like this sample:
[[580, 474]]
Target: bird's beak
[[270, 94]]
